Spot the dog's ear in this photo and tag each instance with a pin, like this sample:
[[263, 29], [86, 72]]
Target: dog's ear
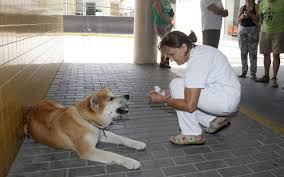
[[93, 103]]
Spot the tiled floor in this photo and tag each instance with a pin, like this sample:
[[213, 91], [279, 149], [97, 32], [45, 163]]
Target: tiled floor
[[245, 148]]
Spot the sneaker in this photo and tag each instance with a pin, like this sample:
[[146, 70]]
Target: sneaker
[[164, 65], [242, 75], [253, 77]]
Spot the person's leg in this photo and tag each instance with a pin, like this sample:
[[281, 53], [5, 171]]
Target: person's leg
[[243, 45], [276, 63], [252, 48], [211, 37], [188, 122], [277, 49], [265, 48], [162, 31], [191, 132]]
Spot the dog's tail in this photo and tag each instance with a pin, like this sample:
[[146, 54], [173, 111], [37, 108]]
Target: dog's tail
[[27, 120]]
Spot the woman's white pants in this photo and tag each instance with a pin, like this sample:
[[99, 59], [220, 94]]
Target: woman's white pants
[[213, 101]]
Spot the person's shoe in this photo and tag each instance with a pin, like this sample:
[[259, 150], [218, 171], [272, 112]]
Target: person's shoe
[[164, 65], [242, 75], [274, 82], [253, 76], [216, 124], [264, 79], [187, 139]]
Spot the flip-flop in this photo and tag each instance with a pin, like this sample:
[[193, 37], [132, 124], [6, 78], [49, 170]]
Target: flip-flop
[[215, 126], [186, 140]]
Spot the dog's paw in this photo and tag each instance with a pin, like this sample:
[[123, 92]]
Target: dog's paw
[[139, 145], [133, 164]]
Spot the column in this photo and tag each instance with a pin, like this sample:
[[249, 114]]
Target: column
[[145, 40]]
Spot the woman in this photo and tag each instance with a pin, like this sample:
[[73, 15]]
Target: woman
[[208, 94], [162, 23], [248, 37]]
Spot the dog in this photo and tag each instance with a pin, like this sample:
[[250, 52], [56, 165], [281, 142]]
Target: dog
[[81, 126]]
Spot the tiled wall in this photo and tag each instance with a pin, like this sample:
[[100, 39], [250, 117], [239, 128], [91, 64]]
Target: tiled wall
[[31, 51]]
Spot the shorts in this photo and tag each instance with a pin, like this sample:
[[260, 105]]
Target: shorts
[[211, 37], [271, 43], [163, 30]]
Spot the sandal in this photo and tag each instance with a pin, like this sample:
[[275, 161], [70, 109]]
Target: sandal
[[187, 139], [275, 83], [264, 79], [215, 125]]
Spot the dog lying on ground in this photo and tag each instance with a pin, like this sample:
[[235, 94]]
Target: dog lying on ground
[[81, 126]]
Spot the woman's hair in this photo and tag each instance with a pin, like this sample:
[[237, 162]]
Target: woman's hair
[[175, 39]]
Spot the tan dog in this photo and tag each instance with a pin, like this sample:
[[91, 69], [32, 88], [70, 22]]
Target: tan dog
[[80, 127]]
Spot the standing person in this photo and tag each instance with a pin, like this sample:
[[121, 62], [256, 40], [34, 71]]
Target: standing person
[[208, 94], [212, 12], [248, 37], [271, 37], [163, 15]]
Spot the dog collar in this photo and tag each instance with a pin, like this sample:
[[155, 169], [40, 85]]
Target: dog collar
[[98, 126], [94, 124]]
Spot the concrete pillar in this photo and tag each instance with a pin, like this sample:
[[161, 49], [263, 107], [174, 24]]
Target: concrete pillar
[[145, 40]]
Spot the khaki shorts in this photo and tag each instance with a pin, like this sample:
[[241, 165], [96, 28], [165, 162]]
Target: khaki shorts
[[271, 43], [163, 30]]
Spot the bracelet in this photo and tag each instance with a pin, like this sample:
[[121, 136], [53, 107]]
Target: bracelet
[[165, 101]]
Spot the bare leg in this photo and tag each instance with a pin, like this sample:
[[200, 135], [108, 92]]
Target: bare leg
[[266, 62], [276, 63]]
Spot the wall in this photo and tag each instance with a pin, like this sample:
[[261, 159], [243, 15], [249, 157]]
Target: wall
[[30, 55], [99, 24]]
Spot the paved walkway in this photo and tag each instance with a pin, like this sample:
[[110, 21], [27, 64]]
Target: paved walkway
[[245, 148]]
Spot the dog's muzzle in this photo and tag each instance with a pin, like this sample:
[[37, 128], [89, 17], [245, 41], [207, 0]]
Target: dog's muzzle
[[122, 109]]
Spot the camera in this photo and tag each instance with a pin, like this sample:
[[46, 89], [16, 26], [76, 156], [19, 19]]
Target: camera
[[171, 13]]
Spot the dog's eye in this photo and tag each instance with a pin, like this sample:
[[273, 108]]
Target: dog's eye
[[110, 99]]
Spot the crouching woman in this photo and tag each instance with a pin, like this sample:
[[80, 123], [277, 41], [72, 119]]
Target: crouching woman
[[209, 94]]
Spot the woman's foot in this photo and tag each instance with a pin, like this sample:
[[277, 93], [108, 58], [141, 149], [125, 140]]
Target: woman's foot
[[274, 82], [253, 76], [187, 139], [264, 79], [216, 124]]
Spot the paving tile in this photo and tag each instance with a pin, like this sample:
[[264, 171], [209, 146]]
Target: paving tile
[[67, 163], [197, 150], [47, 173], [218, 155], [188, 159], [151, 164], [278, 172], [204, 174], [234, 171], [178, 170], [240, 160], [87, 171], [209, 165], [261, 174], [265, 156], [146, 173], [263, 166]]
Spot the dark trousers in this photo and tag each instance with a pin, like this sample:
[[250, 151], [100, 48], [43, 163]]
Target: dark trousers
[[211, 37]]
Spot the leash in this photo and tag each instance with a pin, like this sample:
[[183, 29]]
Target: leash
[[94, 124]]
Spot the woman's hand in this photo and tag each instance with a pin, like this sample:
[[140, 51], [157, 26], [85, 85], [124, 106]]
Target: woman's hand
[[156, 97]]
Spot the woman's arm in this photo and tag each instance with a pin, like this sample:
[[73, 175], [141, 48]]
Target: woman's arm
[[157, 6], [189, 104], [254, 17], [241, 14], [217, 10]]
